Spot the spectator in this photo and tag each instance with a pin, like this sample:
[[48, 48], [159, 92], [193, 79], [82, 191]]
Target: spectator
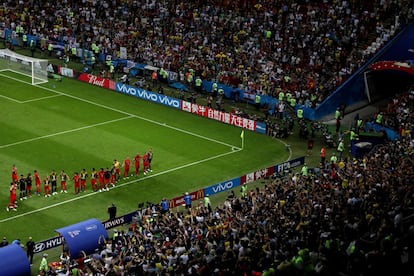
[[4, 242], [30, 246]]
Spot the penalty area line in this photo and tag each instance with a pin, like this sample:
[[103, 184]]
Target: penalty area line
[[124, 112], [120, 185]]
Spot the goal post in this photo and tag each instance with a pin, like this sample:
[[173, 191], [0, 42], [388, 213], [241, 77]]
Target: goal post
[[34, 68]]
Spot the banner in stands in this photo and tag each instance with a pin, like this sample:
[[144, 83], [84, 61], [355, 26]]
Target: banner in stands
[[289, 164], [67, 72], [14, 261], [83, 236], [224, 117], [270, 171], [259, 174], [98, 81], [221, 187], [148, 95], [179, 201]]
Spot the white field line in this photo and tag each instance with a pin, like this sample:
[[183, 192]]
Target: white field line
[[42, 98], [27, 101], [63, 132], [129, 114], [119, 185], [10, 99]]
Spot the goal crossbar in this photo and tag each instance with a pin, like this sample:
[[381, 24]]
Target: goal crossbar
[[34, 68]]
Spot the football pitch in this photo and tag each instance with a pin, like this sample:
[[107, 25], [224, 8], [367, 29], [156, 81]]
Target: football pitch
[[72, 126]]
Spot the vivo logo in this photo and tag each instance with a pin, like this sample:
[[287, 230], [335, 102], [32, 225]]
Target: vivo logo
[[147, 95], [223, 186]]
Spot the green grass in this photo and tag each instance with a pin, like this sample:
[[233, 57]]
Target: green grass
[[72, 125]]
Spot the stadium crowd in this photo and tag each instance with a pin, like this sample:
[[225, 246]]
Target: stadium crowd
[[350, 217], [301, 48]]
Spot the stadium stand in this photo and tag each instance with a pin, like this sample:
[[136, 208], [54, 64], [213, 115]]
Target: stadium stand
[[301, 48], [353, 217]]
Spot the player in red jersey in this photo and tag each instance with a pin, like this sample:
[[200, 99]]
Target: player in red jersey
[[94, 177], [107, 177], [63, 180], [83, 177], [37, 182], [146, 163], [114, 176], [137, 160], [13, 195], [76, 181], [46, 186], [126, 166], [101, 176], [14, 175]]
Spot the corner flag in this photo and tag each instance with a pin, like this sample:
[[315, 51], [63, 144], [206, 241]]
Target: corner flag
[[242, 137]]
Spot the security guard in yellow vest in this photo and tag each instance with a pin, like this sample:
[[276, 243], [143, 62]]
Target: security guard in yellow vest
[[50, 48], [299, 113], [74, 52], [32, 46], [257, 101], [359, 125], [112, 70], [353, 136], [378, 119], [24, 40], [214, 89], [281, 96], [93, 61], [288, 97], [19, 30], [190, 80], [293, 102], [96, 50], [198, 83], [337, 114]]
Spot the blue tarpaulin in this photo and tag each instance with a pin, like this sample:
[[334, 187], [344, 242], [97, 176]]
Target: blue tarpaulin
[[14, 261], [83, 236]]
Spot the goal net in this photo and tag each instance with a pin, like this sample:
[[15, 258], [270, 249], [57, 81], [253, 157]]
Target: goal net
[[34, 68]]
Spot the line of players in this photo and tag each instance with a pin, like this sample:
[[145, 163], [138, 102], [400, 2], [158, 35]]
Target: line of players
[[100, 180]]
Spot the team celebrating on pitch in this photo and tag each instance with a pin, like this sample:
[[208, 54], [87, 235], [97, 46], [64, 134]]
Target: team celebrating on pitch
[[100, 180]]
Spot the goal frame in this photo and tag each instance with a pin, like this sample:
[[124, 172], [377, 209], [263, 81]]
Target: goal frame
[[34, 68]]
